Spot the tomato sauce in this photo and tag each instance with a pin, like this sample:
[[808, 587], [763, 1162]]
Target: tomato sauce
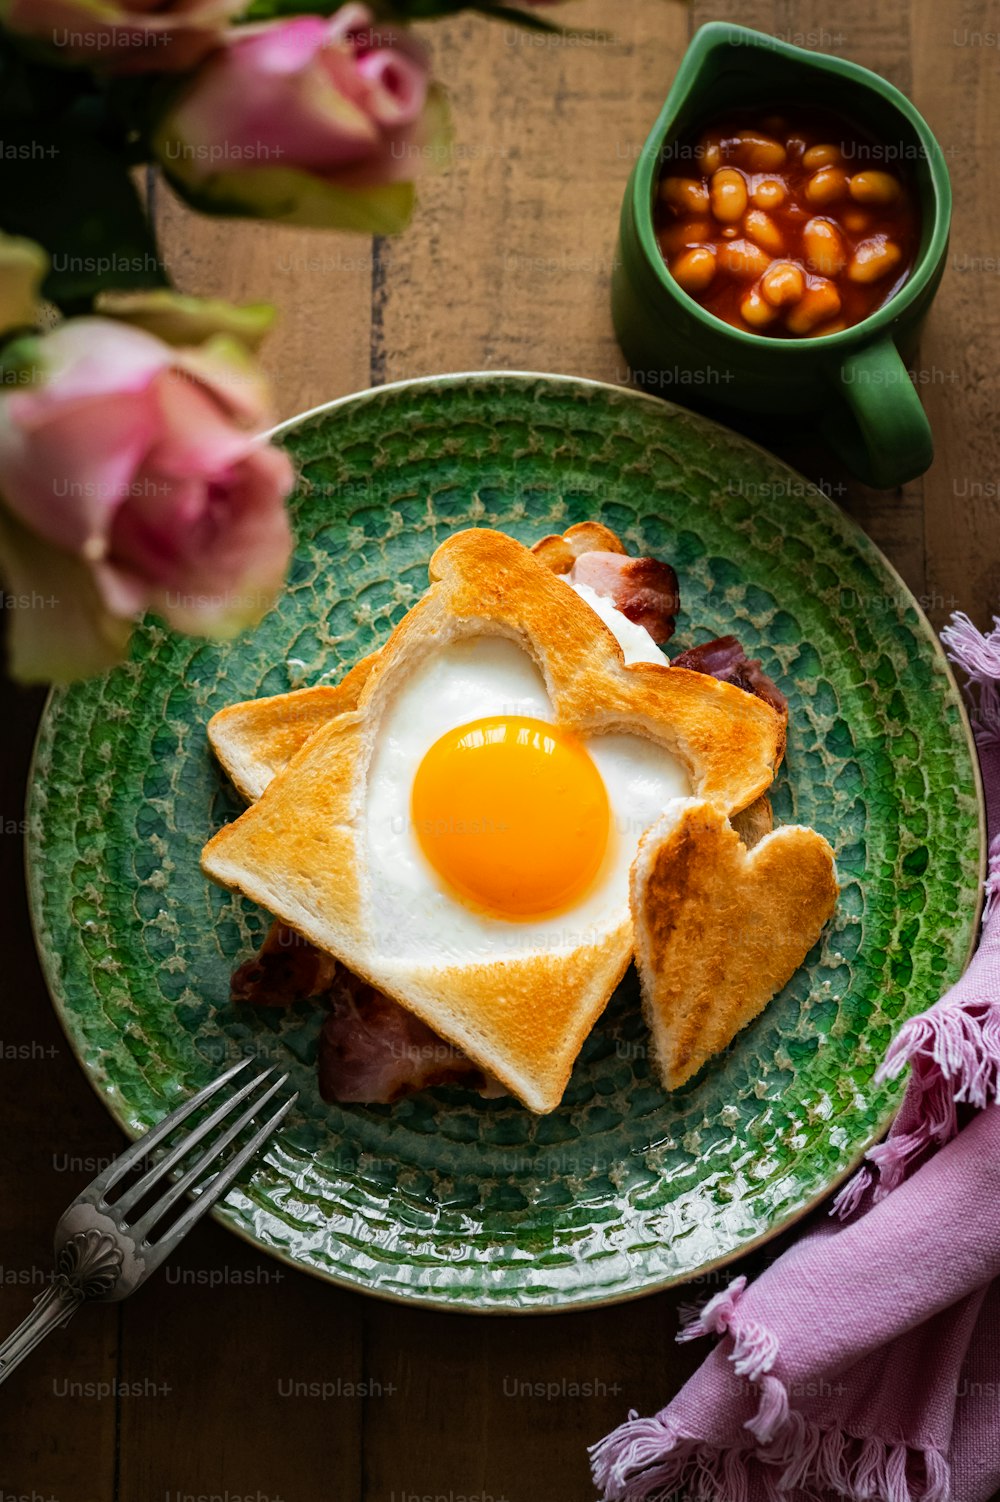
[[789, 226]]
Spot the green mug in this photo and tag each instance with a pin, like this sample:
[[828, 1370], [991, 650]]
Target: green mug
[[855, 383]]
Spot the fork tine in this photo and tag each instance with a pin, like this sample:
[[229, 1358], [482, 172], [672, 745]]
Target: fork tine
[[217, 1188], [121, 1165], [134, 1194], [141, 1228]]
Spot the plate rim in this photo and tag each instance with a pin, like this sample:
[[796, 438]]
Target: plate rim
[[550, 1304]]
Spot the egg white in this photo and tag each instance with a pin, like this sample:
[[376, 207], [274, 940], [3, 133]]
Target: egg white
[[635, 641], [415, 916]]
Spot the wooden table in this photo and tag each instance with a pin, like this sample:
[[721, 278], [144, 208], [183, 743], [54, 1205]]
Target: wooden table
[[201, 1385]]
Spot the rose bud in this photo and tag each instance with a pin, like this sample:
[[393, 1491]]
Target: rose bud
[[310, 121], [133, 478]]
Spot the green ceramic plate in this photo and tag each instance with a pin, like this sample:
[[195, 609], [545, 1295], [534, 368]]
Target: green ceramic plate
[[443, 1198]]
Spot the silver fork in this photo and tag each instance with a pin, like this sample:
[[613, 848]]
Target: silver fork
[[100, 1253]]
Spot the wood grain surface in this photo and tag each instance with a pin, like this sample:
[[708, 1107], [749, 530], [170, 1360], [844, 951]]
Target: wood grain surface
[[208, 1384]]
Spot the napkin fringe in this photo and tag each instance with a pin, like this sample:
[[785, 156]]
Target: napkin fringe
[[954, 1051], [647, 1460], [755, 1350], [979, 657]]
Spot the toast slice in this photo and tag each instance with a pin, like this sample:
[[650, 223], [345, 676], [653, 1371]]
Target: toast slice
[[258, 737], [301, 849], [720, 929]]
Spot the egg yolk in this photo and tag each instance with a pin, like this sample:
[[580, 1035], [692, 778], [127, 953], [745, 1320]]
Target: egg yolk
[[513, 814]]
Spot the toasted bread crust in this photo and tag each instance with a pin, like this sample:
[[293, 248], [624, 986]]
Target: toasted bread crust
[[537, 1011], [720, 929], [754, 822], [728, 740], [559, 551], [300, 850], [257, 738]]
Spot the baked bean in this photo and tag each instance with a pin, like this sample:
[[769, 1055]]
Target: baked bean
[[828, 185], [756, 310], [762, 228], [823, 247], [744, 258], [818, 303], [873, 259], [728, 194], [677, 237], [710, 153], [688, 195], [758, 152], [694, 269], [769, 193], [783, 282], [856, 220], [874, 187], [774, 223], [821, 156]]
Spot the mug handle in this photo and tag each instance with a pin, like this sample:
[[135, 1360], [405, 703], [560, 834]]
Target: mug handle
[[878, 426]]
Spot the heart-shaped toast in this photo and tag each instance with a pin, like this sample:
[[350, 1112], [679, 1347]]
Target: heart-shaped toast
[[720, 928]]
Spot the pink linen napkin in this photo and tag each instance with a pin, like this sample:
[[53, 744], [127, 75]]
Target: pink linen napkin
[[865, 1362]]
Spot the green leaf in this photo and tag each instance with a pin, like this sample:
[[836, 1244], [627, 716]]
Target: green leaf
[[516, 17], [23, 266], [401, 11], [186, 321], [269, 10], [21, 364], [404, 11], [59, 627], [72, 193], [292, 197], [530, 20]]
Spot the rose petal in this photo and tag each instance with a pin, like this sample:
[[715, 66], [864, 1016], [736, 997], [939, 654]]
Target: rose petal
[[397, 88], [195, 435], [350, 21], [236, 569], [86, 358], [225, 369], [240, 115], [66, 479]]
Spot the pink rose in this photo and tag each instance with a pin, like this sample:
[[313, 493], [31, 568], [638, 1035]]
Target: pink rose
[[311, 121], [125, 36], [132, 479]]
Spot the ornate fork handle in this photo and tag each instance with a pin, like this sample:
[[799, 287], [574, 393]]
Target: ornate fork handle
[[87, 1267], [102, 1250]]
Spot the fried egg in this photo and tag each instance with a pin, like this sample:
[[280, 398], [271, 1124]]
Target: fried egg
[[493, 832]]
